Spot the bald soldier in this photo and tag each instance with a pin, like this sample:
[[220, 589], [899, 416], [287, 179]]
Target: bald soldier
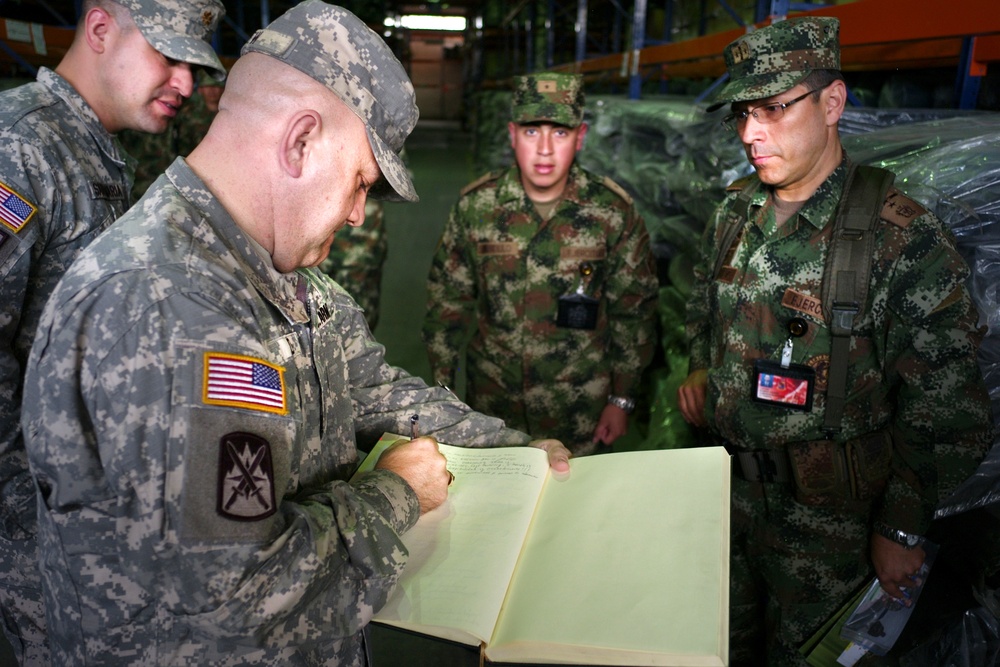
[[63, 179], [548, 269], [196, 390]]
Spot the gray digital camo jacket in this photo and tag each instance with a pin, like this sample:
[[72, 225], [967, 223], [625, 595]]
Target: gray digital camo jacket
[[191, 419]]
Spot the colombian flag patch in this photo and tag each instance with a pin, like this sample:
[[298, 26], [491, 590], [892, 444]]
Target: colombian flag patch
[[15, 210], [244, 382]]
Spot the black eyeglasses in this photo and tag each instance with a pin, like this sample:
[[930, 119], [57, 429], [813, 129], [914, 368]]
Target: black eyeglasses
[[764, 114]]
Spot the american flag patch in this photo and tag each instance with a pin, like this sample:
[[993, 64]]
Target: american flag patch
[[244, 382], [15, 211]]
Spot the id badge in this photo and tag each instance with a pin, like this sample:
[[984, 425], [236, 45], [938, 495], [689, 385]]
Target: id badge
[[787, 386], [577, 311]]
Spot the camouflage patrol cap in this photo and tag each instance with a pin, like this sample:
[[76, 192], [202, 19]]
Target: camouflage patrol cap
[[334, 47], [774, 59], [549, 97], [180, 29]]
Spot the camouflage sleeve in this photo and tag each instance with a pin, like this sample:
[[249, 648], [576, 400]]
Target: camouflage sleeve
[[942, 422], [384, 397], [451, 297], [698, 318], [632, 293], [18, 314], [126, 452]]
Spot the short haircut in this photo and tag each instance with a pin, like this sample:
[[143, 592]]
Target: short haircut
[[818, 79]]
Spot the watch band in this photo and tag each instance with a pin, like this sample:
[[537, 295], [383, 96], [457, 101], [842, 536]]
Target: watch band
[[626, 404], [908, 540]]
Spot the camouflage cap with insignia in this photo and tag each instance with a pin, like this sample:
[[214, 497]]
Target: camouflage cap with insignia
[[336, 48], [774, 59], [180, 29], [548, 97]]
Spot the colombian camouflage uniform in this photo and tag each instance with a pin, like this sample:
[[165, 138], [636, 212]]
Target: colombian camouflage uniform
[[63, 180], [185, 525], [356, 259], [500, 270], [912, 369]]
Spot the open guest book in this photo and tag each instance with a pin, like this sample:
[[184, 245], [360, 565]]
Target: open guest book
[[625, 562]]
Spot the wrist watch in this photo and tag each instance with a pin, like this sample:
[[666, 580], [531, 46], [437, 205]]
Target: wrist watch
[[908, 540], [626, 404]]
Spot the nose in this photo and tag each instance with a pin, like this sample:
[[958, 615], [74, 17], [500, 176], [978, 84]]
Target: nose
[[545, 143], [182, 79], [357, 216], [752, 130]]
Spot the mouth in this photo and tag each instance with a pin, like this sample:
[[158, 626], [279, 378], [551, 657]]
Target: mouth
[[544, 168], [169, 109]]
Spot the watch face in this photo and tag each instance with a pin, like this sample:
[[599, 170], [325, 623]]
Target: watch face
[[912, 540]]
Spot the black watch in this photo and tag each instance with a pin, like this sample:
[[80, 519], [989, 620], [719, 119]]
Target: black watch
[[908, 540], [626, 404]]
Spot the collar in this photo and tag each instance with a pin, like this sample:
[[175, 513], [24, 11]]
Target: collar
[[281, 289], [62, 89], [820, 208], [510, 189]]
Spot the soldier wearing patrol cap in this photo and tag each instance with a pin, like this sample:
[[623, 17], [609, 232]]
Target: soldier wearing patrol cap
[[549, 268], [193, 403], [833, 352], [63, 179]]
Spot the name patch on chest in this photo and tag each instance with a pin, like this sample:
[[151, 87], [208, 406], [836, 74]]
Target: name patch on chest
[[497, 248], [106, 190], [596, 253], [802, 303]]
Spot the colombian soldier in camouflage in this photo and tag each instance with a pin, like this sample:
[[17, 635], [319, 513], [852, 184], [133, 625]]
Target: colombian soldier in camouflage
[[548, 267], [817, 506], [195, 396], [63, 179], [356, 259]]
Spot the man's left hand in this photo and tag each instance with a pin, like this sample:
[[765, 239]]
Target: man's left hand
[[558, 455], [896, 566]]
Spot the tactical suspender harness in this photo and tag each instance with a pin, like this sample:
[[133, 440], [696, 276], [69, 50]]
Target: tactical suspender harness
[[847, 271]]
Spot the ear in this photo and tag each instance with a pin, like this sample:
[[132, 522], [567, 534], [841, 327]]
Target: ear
[[835, 99], [581, 135], [298, 141], [96, 28]]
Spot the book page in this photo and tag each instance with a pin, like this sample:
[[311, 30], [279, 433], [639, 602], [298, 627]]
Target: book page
[[463, 553], [626, 563]]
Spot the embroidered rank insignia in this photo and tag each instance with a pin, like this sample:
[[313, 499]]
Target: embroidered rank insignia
[[246, 478], [244, 382], [15, 210]]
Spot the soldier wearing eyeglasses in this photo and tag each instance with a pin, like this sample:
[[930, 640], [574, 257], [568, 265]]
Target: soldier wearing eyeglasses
[[841, 374]]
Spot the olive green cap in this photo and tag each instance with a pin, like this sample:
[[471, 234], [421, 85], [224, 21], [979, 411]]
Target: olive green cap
[[548, 97], [776, 58]]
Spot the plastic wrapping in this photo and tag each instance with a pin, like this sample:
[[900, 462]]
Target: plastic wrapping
[[972, 641]]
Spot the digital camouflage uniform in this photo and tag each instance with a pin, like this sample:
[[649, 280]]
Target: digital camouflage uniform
[[64, 180], [356, 259], [186, 526], [911, 369], [499, 272]]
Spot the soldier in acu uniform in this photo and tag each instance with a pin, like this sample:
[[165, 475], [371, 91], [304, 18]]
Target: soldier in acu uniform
[[194, 395], [548, 268], [63, 179], [833, 352]]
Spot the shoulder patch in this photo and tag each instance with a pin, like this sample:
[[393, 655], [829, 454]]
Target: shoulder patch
[[15, 210], [479, 182], [899, 209], [245, 489], [237, 381], [739, 183]]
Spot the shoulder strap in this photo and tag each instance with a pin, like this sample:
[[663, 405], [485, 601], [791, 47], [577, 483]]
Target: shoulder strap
[[847, 274], [736, 217]]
